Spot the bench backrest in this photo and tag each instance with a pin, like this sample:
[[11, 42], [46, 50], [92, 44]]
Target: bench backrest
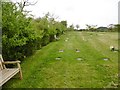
[[1, 65]]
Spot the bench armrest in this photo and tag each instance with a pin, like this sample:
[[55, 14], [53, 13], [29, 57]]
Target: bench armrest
[[11, 62]]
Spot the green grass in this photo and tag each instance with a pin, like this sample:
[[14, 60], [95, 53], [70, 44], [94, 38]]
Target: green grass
[[42, 70]]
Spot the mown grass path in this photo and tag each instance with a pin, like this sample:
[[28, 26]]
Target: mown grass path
[[42, 70]]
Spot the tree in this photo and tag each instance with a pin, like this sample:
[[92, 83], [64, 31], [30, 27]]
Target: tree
[[71, 28], [64, 23], [77, 26], [24, 3], [22, 35], [91, 27], [111, 27], [18, 37], [116, 27]]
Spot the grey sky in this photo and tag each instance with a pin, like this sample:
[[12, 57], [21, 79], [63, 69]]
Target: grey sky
[[81, 12]]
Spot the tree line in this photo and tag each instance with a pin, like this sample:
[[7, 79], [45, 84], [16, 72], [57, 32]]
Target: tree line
[[95, 28], [22, 35]]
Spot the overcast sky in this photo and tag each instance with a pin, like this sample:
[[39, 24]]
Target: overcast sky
[[81, 12]]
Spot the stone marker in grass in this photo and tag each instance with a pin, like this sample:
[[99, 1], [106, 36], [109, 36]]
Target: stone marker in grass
[[80, 58], [77, 50], [61, 50], [58, 58], [112, 48], [106, 59]]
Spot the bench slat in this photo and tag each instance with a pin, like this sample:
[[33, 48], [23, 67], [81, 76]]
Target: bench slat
[[7, 74]]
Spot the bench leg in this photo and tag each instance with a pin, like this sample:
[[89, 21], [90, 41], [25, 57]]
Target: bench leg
[[20, 71]]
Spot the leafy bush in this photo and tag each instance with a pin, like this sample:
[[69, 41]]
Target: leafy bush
[[17, 36], [22, 35]]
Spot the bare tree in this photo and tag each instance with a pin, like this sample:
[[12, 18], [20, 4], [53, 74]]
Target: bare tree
[[25, 3]]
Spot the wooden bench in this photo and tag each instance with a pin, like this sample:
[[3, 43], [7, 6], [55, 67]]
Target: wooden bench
[[8, 73]]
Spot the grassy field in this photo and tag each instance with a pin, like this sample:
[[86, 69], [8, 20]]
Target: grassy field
[[84, 69]]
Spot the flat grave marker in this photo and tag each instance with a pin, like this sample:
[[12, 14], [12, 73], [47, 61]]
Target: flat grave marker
[[106, 59], [58, 58], [61, 50], [77, 50], [80, 59]]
